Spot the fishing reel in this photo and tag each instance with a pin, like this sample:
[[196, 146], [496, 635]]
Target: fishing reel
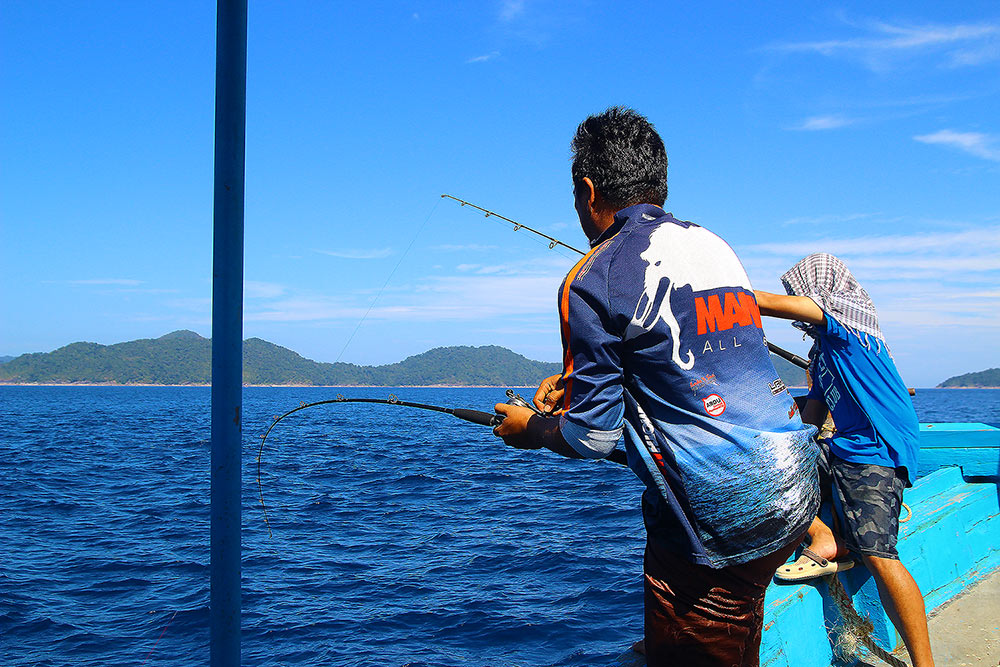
[[518, 400]]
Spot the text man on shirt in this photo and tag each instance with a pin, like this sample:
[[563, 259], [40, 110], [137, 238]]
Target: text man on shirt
[[662, 341]]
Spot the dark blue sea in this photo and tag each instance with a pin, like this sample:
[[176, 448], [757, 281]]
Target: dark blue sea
[[400, 537]]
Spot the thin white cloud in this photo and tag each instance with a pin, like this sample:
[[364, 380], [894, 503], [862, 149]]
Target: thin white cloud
[[483, 58], [814, 123], [864, 111], [254, 289], [193, 304], [147, 290], [947, 267], [928, 280], [305, 309], [466, 298], [830, 219], [962, 44], [972, 57], [358, 253], [493, 269], [938, 319], [481, 296], [126, 282], [986, 239], [477, 292], [486, 269], [511, 9], [469, 247], [935, 304], [975, 143], [890, 37]]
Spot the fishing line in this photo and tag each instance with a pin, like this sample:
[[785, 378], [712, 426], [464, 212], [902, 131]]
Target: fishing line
[[160, 637], [386, 283]]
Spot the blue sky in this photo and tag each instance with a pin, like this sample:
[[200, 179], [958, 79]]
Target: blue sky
[[869, 130]]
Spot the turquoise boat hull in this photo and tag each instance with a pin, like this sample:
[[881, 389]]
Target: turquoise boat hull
[[950, 542]]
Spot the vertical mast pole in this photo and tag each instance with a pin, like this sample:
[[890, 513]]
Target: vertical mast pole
[[227, 332]]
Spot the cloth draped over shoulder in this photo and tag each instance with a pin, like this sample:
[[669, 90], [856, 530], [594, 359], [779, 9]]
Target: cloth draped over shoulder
[[827, 281]]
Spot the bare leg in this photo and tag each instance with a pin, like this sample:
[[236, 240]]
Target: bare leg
[[824, 542], [904, 604]]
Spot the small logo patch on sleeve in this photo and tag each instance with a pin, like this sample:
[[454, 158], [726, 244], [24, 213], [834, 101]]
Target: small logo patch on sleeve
[[777, 386]]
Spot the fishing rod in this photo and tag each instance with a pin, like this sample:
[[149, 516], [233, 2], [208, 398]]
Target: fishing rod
[[553, 242], [474, 416], [465, 414], [491, 419], [789, 356]]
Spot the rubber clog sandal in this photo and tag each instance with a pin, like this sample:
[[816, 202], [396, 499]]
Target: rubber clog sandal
[[810, 565]]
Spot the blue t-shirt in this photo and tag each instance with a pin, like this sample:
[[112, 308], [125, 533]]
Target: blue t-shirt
[[876, 422], [662, 341]]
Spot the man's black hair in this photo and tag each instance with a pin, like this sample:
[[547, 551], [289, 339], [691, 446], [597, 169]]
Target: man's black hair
[[620, 151]]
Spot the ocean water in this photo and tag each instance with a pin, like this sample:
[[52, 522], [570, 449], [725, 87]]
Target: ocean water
[[400, 537]]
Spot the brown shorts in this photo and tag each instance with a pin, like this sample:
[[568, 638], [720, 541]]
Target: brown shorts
[[698, 616]]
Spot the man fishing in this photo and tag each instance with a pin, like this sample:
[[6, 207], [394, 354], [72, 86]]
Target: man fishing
[[662, 341], [872, 455]]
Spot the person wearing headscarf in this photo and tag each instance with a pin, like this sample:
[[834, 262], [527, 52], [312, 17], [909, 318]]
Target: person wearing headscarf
[[872, 454]]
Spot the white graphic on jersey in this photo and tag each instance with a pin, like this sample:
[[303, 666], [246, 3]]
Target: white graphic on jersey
[[824, 376], [682, 256]]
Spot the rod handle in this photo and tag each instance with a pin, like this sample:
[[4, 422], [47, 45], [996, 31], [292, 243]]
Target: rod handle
[[478, 416], [788, 356]]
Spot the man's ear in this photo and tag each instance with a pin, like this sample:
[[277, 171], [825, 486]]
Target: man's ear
[[587, 192]]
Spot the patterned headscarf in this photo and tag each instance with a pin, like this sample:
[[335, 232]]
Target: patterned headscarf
[[827, 281]]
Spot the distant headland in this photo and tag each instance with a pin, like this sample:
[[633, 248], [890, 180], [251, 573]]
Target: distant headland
[[988, 379], [185, 358]]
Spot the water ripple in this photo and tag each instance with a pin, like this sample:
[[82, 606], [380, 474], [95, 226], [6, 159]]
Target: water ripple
[[399, 538]]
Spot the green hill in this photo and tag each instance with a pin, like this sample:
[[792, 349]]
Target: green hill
[[181, 357], [184, 357], [988, 378]]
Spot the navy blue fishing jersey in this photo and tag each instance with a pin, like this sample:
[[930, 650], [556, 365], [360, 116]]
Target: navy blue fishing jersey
[[662, 340]]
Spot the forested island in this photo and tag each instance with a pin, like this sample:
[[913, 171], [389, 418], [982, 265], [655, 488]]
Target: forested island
[[988, 378], [185, 358]]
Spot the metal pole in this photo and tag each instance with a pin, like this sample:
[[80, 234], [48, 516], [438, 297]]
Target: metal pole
[[227, 331]]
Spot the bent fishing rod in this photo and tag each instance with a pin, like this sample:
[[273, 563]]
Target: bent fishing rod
[[553, 242], [490, 419], [466, 414]]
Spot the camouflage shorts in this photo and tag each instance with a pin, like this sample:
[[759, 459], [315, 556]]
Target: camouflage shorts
[[867, 503]]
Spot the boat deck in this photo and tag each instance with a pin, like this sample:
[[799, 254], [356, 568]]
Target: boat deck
[[965, 632]]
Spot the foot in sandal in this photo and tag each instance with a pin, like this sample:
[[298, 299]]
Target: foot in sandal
[[810, 565]]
